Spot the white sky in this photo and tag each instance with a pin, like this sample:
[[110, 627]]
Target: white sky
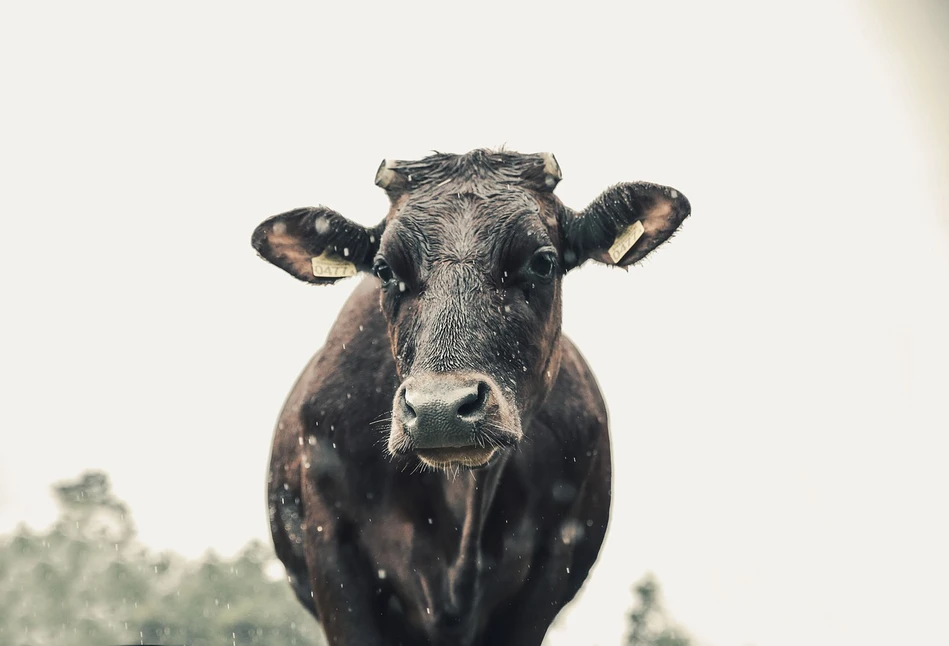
[[776, 375]]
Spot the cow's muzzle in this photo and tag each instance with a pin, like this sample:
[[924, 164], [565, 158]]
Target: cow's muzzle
[[451, 419]]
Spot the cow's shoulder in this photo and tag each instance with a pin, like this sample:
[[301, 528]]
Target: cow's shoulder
[[575, 404]]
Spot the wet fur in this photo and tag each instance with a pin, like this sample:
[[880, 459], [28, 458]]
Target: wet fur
[[381, 547]]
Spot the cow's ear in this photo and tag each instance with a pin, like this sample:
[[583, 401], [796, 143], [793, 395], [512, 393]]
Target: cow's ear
[[317, 245], [623, 224]]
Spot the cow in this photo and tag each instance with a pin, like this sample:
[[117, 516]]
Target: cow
[[441, 471]]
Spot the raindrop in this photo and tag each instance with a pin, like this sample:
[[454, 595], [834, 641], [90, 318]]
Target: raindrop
[[430, 521], [372, 239], [563, 491], [319, 528], [334, 445], [589, 523], [568, 570], [300, 439], [360, 328], [311, 440], [382, 574], [428, 610], [571, 531], [345, 252], [401, 286]]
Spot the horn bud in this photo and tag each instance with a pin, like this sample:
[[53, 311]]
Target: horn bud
[[387, 177], [552, 173]]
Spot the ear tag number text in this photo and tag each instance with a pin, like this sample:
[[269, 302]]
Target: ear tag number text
[[625, 240], [327, 266]]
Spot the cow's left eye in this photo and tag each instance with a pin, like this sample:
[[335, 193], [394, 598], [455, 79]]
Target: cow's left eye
[[543, 264], [383, 272]]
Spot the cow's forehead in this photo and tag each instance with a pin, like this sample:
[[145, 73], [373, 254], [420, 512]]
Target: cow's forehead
[[504, 204], [445, 217], [463, 229]]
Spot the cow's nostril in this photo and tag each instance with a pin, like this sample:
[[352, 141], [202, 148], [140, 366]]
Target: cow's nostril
[[407, 409], [472, 404]]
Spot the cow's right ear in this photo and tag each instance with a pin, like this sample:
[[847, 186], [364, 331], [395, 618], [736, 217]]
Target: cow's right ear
[[624, 224], [317, 245]]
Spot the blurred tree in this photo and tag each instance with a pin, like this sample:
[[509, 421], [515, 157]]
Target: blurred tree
[[88, 581], [648, 624]]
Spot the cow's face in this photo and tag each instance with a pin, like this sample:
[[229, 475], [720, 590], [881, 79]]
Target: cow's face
[[470, 260]]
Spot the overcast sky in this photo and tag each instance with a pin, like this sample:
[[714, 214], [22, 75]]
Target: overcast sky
[[776, 374]]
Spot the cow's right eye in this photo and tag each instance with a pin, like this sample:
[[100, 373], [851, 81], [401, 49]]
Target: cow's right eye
[[383, 272]]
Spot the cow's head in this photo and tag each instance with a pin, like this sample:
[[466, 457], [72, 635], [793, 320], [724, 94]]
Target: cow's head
[[470, 260]]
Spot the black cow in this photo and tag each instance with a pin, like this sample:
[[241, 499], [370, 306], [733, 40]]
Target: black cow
[[441, 470]]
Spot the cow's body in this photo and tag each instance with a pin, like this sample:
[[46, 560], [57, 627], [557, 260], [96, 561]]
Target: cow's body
[[413, 564], [441, 470]]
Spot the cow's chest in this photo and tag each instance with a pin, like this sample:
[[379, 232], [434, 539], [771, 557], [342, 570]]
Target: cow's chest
[[441, 578]]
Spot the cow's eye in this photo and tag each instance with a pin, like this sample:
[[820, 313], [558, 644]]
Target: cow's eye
[[383, 272], [543, 264]]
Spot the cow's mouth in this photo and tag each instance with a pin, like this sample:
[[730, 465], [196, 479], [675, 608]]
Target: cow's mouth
[[471, 457]]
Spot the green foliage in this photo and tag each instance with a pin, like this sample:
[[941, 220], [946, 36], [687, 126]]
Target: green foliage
[[88, 581], [648, 624]]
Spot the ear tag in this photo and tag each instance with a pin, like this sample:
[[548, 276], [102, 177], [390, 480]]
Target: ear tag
[[625, 240], [327, 266]]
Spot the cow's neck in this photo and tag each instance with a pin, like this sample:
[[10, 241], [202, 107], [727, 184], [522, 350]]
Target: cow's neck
[[469, 498]]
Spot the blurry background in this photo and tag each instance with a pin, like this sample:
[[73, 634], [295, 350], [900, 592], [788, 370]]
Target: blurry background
[[776, 375]]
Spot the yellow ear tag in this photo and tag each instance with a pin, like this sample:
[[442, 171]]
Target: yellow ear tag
[[625, 240], [327, 266]]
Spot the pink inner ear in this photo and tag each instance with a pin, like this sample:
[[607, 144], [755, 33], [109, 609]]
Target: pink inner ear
[[286, 246], [657, 218]]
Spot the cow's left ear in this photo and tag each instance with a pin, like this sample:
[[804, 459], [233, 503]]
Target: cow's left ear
[[317, 245], [623, 224]]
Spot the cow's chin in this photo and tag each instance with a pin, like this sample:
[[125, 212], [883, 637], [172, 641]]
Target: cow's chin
[[470, 457]]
